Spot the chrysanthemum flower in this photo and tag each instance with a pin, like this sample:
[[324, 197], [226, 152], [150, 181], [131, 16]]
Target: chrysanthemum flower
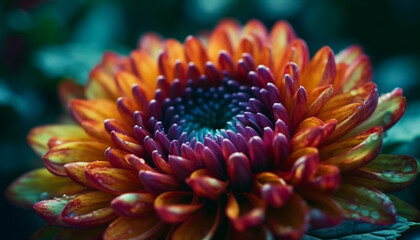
[[238, 134]]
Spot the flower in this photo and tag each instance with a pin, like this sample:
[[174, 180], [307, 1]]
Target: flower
[[237, 134]]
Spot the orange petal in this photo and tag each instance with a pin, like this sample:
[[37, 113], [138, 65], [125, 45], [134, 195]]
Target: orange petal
[[39, 137], [358, 73], [136, 228], [151, 44], [196, 53], [175, 207], [146, 68], [88, 210], [317, 98], [39, 185], [96, 130], [70, 90], [81, 151], [320, 71], [245, 210], [386, 172], [113, 180], [289, 221], [355, 152], [296, 52], [218, 41], [349, 54], [134, 204], [202, 225], [97, 110], [101, 85], [326, 179], [125, 82], [365, 204], [391, 107], [362, 113], [206, 186], [76, 171], [280, 37]]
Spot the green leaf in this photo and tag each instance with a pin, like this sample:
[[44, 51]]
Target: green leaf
[[351, 230]]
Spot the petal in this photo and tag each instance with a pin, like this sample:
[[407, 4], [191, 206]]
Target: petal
[[39, 185], [280, 37], [113, 180], [38, 137], [365, 204], [391, 107], [405, 210], [101, 85], [70, 90], [355, 152], [239, 171], [134, 204], [245, 210], [202, 225], [206, 186], [317, 98], [97, 110], [136, 228], [327, 179], [357, 73], [272, 189], [349, 54], [158, 183], [88, 210], [151, 44], [320, 71], [386, 172], [175, 207], [81, 151], [195, 52], [289, 221], [296, 52], [76, 171], [50, 210], [147, 70], [325, 212], [81, 234]]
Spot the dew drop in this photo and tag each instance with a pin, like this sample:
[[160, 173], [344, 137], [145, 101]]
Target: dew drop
[[353, 92], [365, 212], [375, 215], [100, 180], [43, 196], [130, 231]]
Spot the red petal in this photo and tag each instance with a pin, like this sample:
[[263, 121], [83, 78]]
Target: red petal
[[202, 225], [365, 204], [134, 204], [175, 207], [386, 172], [158, 183], [113, 180], [273, 189], [85, 151], [88, 210], [206, 186], [39, 137], [325, 212], [355, 152], [136, 228], [39, 185], [289, 221], [245, 210]]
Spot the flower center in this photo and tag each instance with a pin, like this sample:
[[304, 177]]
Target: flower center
[[201, 111]]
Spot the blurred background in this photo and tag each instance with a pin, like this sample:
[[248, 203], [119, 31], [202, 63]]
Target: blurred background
[[44, 42]]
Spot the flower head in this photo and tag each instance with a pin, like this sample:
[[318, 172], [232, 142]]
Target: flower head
[[238, 134]]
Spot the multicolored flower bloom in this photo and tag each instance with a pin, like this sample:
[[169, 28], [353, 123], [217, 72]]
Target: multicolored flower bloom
[[237, 134]]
